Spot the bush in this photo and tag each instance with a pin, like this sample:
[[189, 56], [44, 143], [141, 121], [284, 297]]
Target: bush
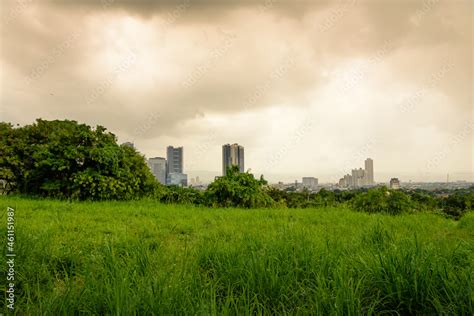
[[237, 189], [382, 200]]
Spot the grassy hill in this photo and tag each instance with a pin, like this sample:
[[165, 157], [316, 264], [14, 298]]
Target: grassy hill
[[147, 258]]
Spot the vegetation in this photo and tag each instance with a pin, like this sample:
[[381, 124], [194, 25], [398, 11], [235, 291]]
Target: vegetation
[[68, 160], [64, 159], [382, 200], [237, 189], [142, 257]]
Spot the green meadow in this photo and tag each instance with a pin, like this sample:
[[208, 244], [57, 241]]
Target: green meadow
[[146, 258]]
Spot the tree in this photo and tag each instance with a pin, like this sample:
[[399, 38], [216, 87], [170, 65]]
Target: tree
[[65, 159], [382, 200], [237, 189]]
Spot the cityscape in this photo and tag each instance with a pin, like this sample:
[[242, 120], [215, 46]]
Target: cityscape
[[170, 171]]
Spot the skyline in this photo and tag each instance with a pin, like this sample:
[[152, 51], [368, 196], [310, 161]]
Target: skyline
[[308, 88], [367, 177]]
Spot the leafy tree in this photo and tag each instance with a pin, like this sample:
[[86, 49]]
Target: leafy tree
[[65, 159], [237, 189], [382, 200]]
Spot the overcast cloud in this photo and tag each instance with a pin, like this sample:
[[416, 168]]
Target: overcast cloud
[[308, 88]]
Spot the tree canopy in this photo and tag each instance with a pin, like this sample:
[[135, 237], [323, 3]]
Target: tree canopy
[[63, 158], [238, 189]]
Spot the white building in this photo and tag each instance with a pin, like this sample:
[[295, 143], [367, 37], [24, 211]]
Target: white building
[[310, 182], [369, 172], [394, 183], [157, 166]]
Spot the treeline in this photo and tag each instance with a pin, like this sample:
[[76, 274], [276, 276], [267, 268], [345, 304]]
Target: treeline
[[375, 200], [68, 160]]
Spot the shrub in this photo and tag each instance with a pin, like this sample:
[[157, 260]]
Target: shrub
[[237, 189], [382, 200]]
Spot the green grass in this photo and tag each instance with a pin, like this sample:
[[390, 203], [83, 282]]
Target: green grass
[[126, 258]]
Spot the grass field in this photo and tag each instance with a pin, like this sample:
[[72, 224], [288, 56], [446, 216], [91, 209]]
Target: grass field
[[126, 258]]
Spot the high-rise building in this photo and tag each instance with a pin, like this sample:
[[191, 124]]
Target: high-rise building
[[310, 182], [345, 181], [158, 168], [369, 172], [232, 155], [358, 176], [174, 155], [174, 171], [394, 183], [179, 179]]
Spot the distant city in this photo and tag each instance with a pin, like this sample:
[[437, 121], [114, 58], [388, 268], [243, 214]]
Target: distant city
[[170, 171]]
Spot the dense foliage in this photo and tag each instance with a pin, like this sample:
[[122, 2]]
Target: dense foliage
[[381, 200], [64, 159], [238, 189]]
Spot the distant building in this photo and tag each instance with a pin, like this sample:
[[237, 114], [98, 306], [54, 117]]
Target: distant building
[[310, 182], [369, 172], [232, 155], [174, 171], [358, 178], [128, 144], [158, 168], [394, 183], [179, 179], [174, 155]]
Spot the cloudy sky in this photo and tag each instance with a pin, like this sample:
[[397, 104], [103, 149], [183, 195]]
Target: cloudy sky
[[309, 88]]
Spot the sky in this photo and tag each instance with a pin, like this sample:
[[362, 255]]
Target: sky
[[309, 88]]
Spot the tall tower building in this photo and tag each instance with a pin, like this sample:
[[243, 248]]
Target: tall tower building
[[174, 171], [174, 155], [358, 176], [158, 168], [232, 155], [369, 171]]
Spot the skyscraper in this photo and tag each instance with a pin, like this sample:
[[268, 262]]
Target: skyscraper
[[174, 171], [232, 155], [358, 176], [158, 168], [369, 171], [174, 155]]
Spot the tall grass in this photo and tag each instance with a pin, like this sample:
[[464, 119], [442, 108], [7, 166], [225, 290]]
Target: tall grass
[[127, 258]]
